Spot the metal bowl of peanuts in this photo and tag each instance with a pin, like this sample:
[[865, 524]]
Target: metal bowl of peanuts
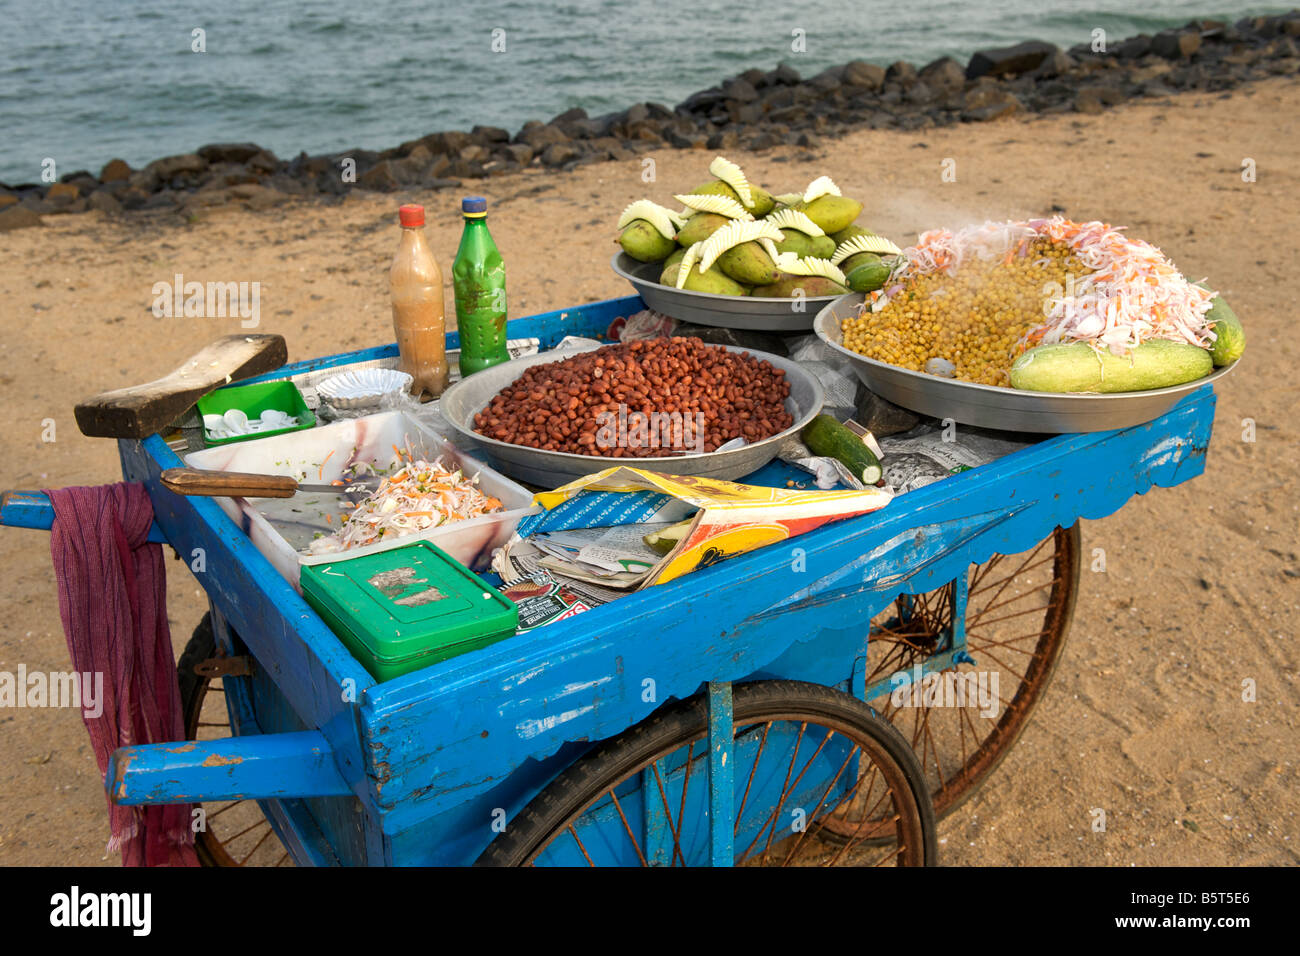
[[550, 469], [991, 406]]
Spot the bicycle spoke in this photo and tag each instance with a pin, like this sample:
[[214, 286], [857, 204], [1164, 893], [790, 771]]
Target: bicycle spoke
[[252, 826], [582, 848], [213, 816], [1019, 596], [784, 789], [749, 782], [984, 642], [829, 787], [1009, 617], [622, 816], [994, 658], [668, 812], [686, 781], [258, 844], [790, 786]]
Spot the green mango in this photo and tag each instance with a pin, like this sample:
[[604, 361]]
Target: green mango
[[797, 242], [699, 227], [808, 286], [806, 246], [823, 247], [714, 281], [763, 203], [850, 232], [748, 263], [644, 242], [833, 213]]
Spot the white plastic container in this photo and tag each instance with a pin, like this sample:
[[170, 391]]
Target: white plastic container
[[283, 528]]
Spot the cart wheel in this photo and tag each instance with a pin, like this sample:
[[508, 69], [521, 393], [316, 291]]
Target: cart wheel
[[238, 833], [802, 753], [1017, 614]]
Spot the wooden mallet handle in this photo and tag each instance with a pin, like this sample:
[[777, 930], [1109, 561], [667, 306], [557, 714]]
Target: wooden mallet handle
[[233, 484]]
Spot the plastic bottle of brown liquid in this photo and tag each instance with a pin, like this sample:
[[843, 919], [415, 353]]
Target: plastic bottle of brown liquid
[[415, 284]]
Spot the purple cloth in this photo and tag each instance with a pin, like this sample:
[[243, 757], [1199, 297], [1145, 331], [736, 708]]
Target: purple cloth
[[113, 602]]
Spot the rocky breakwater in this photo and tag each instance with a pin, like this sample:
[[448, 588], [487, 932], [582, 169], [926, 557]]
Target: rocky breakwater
[[754, 111]]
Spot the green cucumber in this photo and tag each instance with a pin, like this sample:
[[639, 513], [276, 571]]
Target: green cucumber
[[1229, 336], [866, 275], [1077, 367], [827, 438]]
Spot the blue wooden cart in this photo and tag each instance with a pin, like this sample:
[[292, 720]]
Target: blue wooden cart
[[761, 710]]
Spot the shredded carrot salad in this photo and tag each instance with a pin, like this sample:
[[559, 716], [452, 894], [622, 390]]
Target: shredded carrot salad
[[1132, 294], [419, 496]]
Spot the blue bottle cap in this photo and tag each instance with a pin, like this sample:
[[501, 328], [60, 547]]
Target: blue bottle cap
[[473, 206]]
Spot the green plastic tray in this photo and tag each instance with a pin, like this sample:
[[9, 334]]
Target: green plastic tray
[[252, 400]]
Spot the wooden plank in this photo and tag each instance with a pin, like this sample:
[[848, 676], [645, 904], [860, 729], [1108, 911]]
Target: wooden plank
[[442, 735], [142, 410]]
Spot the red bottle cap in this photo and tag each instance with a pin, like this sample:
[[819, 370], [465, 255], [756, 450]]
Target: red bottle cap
[[411, 216]]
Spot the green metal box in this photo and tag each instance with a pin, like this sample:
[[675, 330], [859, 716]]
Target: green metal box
[[407, 608]]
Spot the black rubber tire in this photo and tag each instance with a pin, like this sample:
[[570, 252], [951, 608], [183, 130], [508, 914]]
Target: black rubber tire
[[672, 727], [202, 646]]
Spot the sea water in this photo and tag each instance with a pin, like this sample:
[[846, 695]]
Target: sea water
[[83, 81]]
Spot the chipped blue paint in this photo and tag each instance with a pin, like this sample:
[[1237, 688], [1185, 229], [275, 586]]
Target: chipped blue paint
[[235, 768], [530, 728]]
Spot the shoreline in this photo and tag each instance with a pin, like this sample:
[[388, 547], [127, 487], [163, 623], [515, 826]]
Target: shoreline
[[754, 111]]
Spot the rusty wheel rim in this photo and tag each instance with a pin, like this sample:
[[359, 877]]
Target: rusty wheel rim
[[237, 832], [1018, 614]]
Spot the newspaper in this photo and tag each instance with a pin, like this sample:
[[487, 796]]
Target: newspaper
[[931, 452], [729, 518], [616, 557], [542, 596]]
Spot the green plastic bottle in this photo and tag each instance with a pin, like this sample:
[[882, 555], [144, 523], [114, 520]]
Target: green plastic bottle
[[479, 278]]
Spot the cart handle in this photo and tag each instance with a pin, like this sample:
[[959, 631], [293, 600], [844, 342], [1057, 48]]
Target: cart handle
[[32, 509], [257, 766]]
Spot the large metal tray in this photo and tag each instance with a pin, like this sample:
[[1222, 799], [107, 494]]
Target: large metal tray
[[549, 469], [989, 406], [724, 311]]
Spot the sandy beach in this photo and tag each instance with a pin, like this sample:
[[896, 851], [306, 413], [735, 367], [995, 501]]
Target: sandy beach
[[1145, 718]]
